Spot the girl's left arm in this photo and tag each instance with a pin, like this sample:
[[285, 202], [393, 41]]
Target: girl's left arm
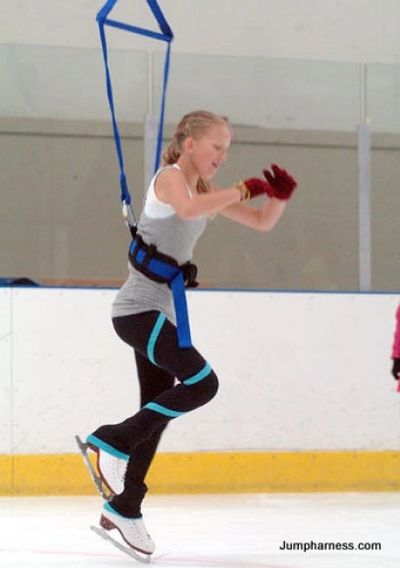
[[263, 219]]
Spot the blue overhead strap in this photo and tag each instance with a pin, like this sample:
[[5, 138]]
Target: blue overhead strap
[[166, 35]]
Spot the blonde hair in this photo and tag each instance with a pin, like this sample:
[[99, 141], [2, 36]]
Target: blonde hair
[[194, 124]]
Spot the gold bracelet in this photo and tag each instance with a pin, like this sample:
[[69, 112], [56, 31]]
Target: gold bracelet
[[244, 191]]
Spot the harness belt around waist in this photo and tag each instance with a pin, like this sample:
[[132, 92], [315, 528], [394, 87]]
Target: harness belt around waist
[[165, 270]]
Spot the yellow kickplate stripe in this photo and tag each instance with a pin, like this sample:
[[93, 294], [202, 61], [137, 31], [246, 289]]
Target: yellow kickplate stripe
[[209, 472], [276, 472], [6, 475]]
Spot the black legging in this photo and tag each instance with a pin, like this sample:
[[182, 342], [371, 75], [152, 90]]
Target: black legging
[[159, 361]]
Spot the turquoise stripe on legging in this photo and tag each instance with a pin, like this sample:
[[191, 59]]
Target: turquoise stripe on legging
[[108, 507], [206, 370], [106, 447], [154, 336], [163, 410]]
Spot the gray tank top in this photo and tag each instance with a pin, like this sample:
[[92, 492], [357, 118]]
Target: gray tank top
[[172, 236]]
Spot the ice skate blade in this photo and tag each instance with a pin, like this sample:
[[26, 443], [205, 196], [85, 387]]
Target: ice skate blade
[[145, 558], [83, 448]]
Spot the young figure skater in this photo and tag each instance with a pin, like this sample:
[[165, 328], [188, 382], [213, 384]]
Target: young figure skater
[[149, 312], [396, 348]]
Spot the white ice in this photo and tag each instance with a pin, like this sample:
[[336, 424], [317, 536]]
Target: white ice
[[207, 531]]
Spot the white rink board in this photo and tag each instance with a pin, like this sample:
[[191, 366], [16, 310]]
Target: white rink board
[[298, 371], [71, 369], [5, 371]]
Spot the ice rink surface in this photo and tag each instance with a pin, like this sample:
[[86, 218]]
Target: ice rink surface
[[207, 531]]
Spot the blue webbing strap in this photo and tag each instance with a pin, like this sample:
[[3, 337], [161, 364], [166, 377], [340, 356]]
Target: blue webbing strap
[[165, 35], [181, 311], [174, 276]]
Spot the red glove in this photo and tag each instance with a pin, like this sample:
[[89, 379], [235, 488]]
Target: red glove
[[256, 187], [282, 185]]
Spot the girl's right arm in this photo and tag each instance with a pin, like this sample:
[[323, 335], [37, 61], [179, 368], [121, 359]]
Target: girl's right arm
[[171, 188]]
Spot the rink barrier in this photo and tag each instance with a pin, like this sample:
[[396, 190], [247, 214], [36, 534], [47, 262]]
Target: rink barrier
[[214, 472]]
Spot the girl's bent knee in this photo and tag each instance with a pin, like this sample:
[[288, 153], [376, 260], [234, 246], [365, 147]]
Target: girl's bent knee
[[205, 390], [214, 384]]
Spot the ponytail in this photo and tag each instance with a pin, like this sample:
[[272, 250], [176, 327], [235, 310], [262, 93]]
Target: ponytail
[[171, 154]]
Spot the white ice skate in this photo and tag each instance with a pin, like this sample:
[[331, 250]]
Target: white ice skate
[[110, 464], [132, 531]]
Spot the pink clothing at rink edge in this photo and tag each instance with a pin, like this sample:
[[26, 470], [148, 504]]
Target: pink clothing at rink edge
[[396, 343]]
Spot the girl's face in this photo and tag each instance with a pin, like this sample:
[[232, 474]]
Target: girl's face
[[210, 150]]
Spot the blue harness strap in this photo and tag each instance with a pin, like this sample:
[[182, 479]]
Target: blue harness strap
[[181, 310], [165, 35], [164, 269]]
